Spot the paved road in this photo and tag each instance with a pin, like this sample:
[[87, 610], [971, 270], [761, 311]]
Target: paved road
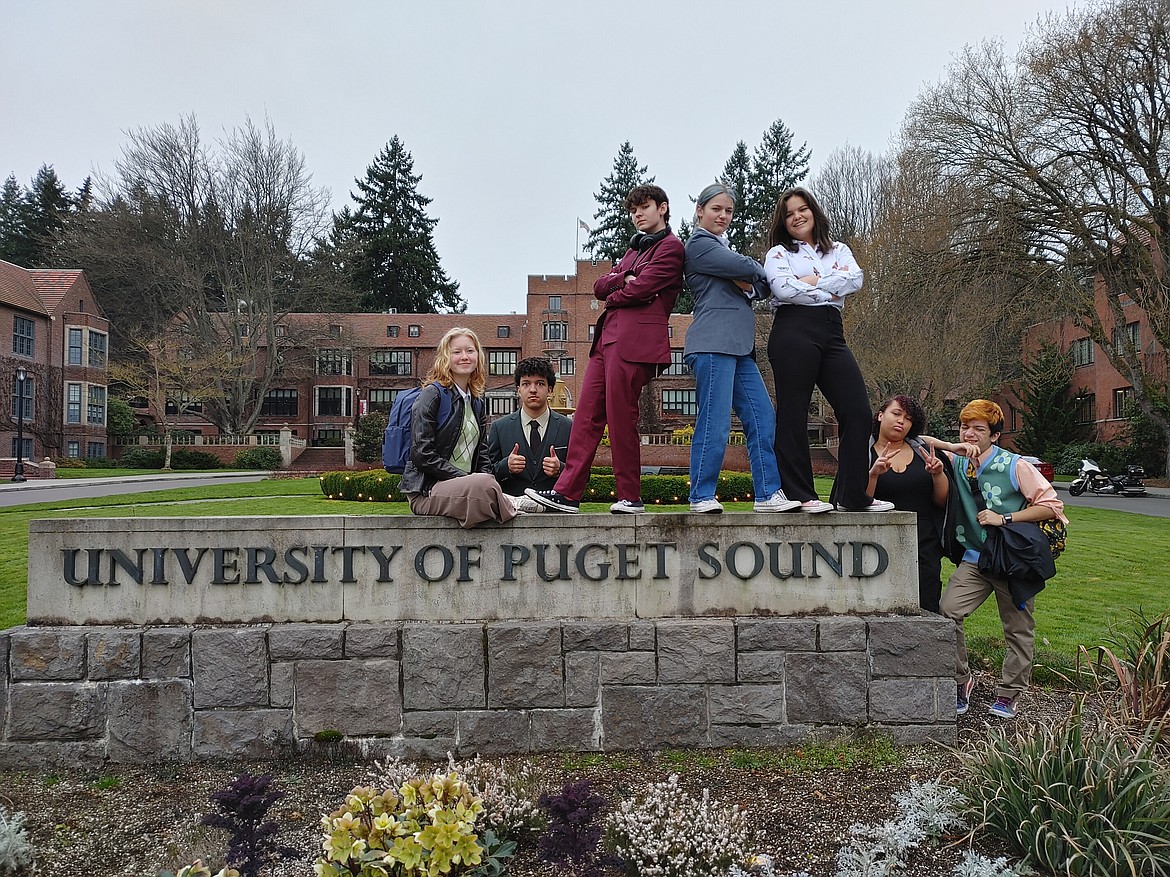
[[85, 488], [1156, 503]]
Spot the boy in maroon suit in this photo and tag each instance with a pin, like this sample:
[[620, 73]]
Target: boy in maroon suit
[[630, 347]]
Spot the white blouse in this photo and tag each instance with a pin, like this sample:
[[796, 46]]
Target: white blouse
[[838, 274]]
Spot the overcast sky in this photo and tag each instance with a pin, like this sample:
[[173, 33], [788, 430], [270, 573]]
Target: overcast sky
[[513, 110]]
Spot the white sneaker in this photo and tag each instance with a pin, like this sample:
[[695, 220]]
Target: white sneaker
[[627, 507], [525, 505], [816, 507], [707, 507], [878, 505], [777, 502]]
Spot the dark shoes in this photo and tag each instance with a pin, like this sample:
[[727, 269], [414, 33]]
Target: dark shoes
[[554, 501]]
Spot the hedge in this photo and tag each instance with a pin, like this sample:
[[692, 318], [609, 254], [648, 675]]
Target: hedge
[[376, 485]]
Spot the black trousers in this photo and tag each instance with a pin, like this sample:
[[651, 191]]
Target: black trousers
[[807, 349]]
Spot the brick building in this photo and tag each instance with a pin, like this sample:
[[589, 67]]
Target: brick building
[[61, 339], [1109, 394]]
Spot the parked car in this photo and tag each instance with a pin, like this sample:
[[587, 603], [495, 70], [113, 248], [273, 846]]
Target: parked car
[[1045, 468]]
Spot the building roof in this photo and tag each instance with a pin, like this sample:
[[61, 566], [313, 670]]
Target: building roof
[[370, 330], [18, 290], [53, 284]]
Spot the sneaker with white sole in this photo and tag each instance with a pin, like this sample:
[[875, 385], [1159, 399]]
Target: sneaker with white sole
[[963, 696], [525, 505], [816, 507], [627, 507], [777, 502], [1004, 708], [550, 499], [707, 507], [878, 505]]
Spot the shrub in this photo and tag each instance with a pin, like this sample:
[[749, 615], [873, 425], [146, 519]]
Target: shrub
[[258, 458], [427, 827], [100, 463], [367, 438], [243, 807], [69, 462], [1137, 655], [669, 833], [1109, 457], [15, 850], [141, 458], [181, 458], [574, 831], [1078, 801]]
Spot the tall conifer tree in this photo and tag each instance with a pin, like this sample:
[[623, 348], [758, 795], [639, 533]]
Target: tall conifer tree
[[776, 166], [611, 233], [735, 175], [387, 241]]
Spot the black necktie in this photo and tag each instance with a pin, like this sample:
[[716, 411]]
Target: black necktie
[[533, 435]]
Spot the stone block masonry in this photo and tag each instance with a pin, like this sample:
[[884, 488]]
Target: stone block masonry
[[420, 689]]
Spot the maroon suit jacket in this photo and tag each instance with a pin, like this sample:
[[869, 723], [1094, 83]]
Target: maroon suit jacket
[[637, 313]]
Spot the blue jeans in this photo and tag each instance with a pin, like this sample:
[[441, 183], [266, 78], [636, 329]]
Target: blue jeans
[[719, 378]]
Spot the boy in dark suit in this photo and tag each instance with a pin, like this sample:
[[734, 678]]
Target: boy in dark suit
[[631, 346], [521, 457]]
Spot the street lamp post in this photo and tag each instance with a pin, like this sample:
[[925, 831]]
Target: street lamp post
[[18, 472]]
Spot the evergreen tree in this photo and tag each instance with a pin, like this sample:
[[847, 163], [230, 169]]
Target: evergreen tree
[[735, 176], [685, 303], [11, 220], [388, 240], [46, 207], [775, 167], [610, 237], [1050, 404]]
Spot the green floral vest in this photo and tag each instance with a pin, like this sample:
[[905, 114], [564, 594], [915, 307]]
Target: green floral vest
[[1000, 493]]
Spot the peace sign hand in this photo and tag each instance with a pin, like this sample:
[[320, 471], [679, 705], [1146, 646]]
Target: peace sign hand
[[882, 464], [933, 464]]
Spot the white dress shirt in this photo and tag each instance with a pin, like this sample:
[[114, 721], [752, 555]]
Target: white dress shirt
[[838, 274]]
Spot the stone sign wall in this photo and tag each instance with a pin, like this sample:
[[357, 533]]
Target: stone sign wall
[[422, 689], [394, 568]]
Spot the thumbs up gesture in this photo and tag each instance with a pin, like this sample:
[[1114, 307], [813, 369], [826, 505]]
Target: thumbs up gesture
[[516, 461], [552, 463]]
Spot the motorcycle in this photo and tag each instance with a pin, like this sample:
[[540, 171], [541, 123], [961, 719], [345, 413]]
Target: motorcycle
[[1094, 479]]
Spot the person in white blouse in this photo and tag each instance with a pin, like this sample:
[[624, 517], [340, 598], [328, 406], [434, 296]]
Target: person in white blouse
[[810, 276]]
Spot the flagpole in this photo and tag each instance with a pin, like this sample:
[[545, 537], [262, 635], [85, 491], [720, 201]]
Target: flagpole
[[577, 247]]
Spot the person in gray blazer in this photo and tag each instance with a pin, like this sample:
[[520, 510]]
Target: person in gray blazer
[[521, 459], [720, 350]]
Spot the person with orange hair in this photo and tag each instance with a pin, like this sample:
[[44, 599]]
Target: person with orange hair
[[449, 473], [1012, 490]]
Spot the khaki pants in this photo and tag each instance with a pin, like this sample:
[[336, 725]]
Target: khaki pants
[[966, 591], [470, 500]]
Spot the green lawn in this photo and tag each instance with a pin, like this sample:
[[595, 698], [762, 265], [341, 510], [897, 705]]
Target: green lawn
[[1116, 561]]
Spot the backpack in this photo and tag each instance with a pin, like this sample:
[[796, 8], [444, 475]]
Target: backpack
[[396, 441]]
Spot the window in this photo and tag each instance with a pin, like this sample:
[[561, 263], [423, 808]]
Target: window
[[98, 344], [26, 448], [1087, 409], [74, 347], [498, 405], [503, 331], [72, 450], [96, 409], [73, 403], [391, 331], [1132, 333], [679, 402], [334, 402], [592, 329], [279, 403], [414, 331], [184, 404], [281, 330], [330, 437], [1123, 402], [334, 362], [335, 330], [556, 331], [382, 399], [22, 398], [23, 336], [554, 303], [391, 362], [1082, 352], [677, 366], [243, 329], [95, 450], [501, 362], [568, 366], [670, 331]]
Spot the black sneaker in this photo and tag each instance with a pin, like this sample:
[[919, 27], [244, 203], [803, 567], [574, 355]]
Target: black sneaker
[[550, 499]]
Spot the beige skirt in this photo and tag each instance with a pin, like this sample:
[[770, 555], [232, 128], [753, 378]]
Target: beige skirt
[[470, 500]]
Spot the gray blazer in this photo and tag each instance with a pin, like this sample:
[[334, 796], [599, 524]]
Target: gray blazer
[[723, 318], [507, 432]]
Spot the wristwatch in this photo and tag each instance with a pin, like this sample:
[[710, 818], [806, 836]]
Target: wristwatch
[[1007, 519]]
